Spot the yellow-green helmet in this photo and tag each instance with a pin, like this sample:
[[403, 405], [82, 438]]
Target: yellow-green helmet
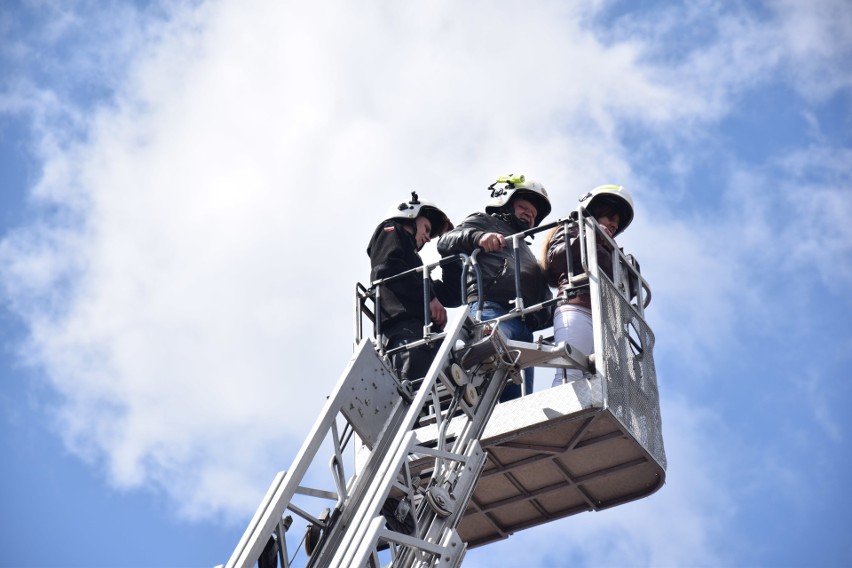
[[509, 186]]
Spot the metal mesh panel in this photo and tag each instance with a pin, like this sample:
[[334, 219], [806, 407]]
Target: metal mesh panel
[[632, 394]]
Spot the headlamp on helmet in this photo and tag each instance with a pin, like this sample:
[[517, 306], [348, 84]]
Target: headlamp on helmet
[[510, 186]]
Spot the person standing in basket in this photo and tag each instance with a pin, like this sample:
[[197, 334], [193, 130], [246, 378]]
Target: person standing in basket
[[517, 204], [612, 207], [393, 249]]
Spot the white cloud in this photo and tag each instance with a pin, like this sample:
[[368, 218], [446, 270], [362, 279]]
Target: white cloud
[[815, 391], [691, 312], [818, 188], [195, 307], [818, 40]]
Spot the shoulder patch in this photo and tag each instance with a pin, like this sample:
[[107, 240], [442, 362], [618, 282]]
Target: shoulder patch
[[390, 229]]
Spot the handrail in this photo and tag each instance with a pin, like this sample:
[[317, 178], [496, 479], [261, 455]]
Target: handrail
[[625, 273], [621, 261], [362, 294]]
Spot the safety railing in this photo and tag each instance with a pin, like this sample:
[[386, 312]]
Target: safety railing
[[368, 301], [625, 270]]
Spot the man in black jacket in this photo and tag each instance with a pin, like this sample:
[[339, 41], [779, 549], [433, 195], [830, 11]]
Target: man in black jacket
[[393, 249], [517, 204]]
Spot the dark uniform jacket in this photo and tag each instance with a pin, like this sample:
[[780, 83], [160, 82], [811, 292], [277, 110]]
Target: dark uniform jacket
[[498, 268], [393, 250], [557, 264]]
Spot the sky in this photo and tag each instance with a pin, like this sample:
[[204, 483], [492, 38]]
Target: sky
[[188, 189]]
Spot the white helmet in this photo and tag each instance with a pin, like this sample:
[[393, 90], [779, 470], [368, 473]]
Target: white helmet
[[410, 210], [615, 196], [507, 187]]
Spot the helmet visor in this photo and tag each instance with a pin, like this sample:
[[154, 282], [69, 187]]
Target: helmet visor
[[437, 219]]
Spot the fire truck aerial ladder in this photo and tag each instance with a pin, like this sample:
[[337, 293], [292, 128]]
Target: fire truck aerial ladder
[[401, 474]]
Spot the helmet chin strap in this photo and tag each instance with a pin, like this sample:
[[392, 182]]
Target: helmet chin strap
[[508, 214], [518, 222], [411, 228]]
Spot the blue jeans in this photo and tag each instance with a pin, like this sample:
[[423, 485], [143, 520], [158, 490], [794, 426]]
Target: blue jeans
[[513, 329]]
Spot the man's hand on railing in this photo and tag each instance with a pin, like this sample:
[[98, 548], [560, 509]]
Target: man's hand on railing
[[438, 313], [489, 242]]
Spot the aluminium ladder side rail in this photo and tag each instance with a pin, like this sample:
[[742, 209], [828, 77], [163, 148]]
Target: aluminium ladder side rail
[[368, 401], [458, 463], [339, 536], [437, 542], [268, 518], [384, 440]]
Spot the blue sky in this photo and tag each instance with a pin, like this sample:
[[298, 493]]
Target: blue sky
[[188, 189]]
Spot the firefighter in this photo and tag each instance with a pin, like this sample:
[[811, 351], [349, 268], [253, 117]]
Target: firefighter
[[517, 204], [393, 249]]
